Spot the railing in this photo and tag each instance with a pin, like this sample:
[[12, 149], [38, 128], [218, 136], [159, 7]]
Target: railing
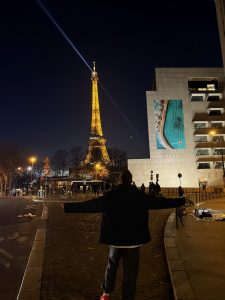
[[192, 198], [194, 194], [203, 196]]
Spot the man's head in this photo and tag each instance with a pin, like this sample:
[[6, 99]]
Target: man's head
[[126, 177]]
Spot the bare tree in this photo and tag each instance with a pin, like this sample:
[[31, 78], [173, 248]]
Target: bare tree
[[118, 158], [76, 154], [10, 159], [59, 162]]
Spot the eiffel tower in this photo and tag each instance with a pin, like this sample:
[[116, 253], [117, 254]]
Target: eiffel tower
[[97, 151]]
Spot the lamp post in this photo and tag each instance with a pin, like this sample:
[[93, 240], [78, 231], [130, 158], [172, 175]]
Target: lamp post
[[46, 170], [32, 159], [213, 133]]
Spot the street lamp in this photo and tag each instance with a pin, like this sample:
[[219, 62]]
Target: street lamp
[[32, 159], [213, 133]]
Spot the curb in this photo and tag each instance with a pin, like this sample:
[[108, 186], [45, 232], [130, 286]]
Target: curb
[[31, 282], [182, 288]]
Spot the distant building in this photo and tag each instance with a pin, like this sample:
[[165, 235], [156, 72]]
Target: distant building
[[186, 125]]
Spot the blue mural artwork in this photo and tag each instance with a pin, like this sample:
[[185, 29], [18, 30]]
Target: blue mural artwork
[[169, 121]]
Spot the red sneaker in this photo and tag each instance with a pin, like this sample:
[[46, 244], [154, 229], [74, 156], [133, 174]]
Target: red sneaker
[[104, 297]]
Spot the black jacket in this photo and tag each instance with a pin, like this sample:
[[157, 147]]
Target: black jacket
[[125, 214]]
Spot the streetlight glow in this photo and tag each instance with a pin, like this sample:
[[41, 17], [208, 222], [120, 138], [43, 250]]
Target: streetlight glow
[[33, 159], [212, 132]]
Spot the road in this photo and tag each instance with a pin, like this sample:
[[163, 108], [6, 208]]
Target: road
[[19, 219]]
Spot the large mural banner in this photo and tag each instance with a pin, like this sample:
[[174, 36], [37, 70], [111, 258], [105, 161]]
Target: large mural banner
[[169, 124]]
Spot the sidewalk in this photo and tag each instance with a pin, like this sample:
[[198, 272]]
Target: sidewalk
[[196, 255]]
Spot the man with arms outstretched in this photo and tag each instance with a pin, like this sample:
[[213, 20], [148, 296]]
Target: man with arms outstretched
[[124, 228]]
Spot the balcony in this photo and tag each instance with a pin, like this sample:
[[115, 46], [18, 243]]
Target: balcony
[[208, 159], [203, 131], [205, 95], [210, 145], [203, 117], [218, 104]]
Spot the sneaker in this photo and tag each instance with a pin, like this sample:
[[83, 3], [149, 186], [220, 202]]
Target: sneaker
[[104, 297]]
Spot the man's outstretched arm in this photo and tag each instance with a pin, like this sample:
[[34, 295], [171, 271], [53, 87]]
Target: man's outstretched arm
[[162, 202], [93, 205]]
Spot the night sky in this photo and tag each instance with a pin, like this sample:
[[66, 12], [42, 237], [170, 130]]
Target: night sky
[[46, 88]]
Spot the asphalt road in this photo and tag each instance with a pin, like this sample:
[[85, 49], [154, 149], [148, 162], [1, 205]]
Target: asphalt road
[[19, 219]]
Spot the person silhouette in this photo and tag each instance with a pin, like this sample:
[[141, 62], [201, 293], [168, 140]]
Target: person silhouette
[[124, 228]]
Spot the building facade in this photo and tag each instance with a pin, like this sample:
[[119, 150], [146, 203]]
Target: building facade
[[186, 126]]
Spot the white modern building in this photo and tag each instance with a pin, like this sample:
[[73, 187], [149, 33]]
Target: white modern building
[[186, 125]]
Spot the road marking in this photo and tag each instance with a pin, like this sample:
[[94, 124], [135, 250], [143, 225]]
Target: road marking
[[5, 258], [13, 237], [22, 239], [44, 215], [30, 207], [52, 201], [4, 263]]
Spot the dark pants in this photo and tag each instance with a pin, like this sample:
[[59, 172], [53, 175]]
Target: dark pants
[[130, 270]]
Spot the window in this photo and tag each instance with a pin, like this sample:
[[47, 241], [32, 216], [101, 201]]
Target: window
[[197, 98], [213, 98], [218, 138], [204, 166], [216, 125], [202, 152], [201, 138], [218, 165], [211, 87], [218, 151], [199, 125], [215, 112], [203, 85]]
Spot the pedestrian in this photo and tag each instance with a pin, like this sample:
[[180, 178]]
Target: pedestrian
[[143, 187], [64, 188], [157, 188], [124, 228], [180, 191], [203, 187], [151, 188]]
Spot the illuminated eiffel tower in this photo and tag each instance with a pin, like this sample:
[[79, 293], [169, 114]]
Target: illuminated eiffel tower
[[97, 151]]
